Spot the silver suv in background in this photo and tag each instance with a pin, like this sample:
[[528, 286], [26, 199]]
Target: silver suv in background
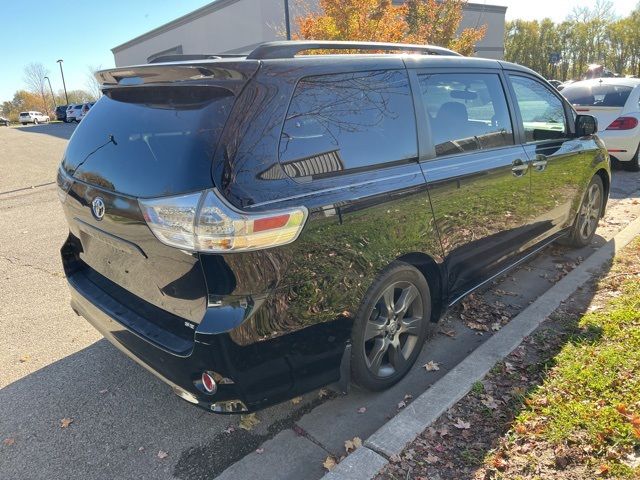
[[74, 112], [33, 117]]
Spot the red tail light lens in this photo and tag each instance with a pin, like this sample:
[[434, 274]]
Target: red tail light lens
[[205, 222], [623, 123]]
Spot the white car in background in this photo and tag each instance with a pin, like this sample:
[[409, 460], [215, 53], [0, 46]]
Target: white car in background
[[615, 102], [33, 117], [74, 112]]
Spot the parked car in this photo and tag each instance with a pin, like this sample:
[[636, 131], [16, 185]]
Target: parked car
[[555, 83], [85, 109], [61, 113], [615, 102], [248, 251], [4, 121], [74, 112], [33, 117]]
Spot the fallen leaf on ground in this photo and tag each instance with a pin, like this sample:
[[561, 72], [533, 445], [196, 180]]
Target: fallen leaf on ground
[[448, 333], [296, 400], [104, 391], [362, 409], [329, 463], [402, 404], [24, 358], [247, 422], [65, 422], [323, 393], [141, 449], [230, 429], [431, 459], [431, 366], [443, 431], [462, 425], [162, 454], [489, 402], [9, 441], [603, 469], [352, 444], [259, 451], [496, 326]]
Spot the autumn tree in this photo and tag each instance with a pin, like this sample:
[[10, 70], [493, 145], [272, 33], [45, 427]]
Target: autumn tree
[[588, 35], [34, 77], [416, 21]]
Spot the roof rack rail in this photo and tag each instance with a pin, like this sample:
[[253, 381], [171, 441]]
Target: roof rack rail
[[289, 49], [179, 57]]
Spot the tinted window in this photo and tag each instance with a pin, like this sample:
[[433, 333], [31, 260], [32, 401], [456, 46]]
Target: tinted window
[[599, 95], [348, 121], [466, 112], [150, 141], [542, 112]]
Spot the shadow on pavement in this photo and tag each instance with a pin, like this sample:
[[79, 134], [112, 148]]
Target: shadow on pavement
[[59, 130], [122, 417]]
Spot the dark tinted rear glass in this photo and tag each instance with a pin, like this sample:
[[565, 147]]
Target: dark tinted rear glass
[[150, 141], [597, 95], [348, 121]]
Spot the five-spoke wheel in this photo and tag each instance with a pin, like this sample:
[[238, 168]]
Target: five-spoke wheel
[[391, 327]]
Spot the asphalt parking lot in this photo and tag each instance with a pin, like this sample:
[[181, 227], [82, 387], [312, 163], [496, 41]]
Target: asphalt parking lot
[[122, 421]]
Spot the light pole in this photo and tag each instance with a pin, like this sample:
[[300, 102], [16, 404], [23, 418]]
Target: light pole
[[53, 97], [64, 85], [287, 19]]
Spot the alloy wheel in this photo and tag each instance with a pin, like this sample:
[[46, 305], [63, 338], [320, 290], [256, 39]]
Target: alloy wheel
[[590, 211], [393, 328]]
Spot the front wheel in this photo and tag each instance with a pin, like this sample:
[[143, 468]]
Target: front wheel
[[390, 327], [586, 222]]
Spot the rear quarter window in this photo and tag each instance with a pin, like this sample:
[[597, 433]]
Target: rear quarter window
[[348, 122]]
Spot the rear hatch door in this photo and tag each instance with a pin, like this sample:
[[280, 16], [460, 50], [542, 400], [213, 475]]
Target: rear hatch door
[[152, 134]]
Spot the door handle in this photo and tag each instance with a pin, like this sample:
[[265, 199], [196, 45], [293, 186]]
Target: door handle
[[540, 163], [519, 168]]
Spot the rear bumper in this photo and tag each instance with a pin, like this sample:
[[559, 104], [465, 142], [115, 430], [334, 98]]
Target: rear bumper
[[621, 145], [134, 336]]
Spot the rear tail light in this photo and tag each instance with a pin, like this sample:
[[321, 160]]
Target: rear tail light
[[205, 222], [623, 123]]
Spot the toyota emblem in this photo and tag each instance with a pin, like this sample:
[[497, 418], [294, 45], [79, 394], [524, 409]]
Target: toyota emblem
[[98, 208]]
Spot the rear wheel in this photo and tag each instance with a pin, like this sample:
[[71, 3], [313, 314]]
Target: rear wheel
[[586, 222], [390, 327], [634, 164]]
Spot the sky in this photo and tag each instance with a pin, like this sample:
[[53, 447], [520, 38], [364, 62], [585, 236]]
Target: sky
[[82, 33]]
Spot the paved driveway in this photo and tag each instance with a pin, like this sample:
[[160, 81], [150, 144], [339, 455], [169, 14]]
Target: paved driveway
[[54, 366]]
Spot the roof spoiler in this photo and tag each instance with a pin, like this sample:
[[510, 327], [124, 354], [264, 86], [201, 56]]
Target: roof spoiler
[[231, 75]]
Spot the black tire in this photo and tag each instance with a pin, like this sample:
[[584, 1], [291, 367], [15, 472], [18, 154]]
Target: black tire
[[385, 346], [634, 164], [586, 222], [24, 123]]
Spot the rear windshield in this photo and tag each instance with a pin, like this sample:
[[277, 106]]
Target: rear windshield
[[597, 95], [150, 141], [24, 114]]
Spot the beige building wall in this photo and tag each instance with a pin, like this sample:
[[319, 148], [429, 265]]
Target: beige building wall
[[236, 26]]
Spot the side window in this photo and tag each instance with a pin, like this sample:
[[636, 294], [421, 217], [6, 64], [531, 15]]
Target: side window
[[466, 112], [542, 112], [347, 122]]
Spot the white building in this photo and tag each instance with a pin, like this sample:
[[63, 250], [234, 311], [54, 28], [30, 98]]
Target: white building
[[236, 26]]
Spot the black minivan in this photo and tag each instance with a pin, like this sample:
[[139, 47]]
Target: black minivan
[[251, 228]]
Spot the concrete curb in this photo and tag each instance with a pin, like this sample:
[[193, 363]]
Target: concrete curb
[[402, 429]]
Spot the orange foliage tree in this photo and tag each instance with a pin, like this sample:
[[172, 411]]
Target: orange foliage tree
[[416, 21]]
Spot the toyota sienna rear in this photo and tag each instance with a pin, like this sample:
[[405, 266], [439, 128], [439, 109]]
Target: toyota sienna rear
[[252, 228]]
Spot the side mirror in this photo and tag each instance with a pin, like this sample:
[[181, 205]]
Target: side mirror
[[586, 125]]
